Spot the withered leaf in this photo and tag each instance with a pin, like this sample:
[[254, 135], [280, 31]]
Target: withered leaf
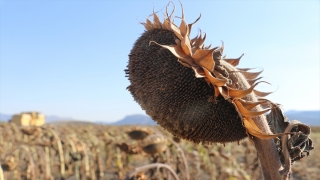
[[277, 121]]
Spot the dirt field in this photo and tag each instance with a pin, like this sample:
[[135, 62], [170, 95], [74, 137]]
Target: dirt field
[[90, 151]]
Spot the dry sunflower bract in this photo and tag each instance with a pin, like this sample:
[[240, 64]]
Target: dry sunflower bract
[[190, 89]]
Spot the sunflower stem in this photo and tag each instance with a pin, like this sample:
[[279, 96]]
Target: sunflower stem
[[266, 149]]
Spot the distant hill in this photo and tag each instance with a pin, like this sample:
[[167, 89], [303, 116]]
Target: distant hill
[[311, 118], [136, 119], [52, 119], [307, 117], [66, 122], [5, 117]]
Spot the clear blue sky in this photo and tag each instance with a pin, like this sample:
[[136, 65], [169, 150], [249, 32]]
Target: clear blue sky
[[66, 58]]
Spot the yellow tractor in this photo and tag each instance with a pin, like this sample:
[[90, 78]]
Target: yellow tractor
[[28, 119]]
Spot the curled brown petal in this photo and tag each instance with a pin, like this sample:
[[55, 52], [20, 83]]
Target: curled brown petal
[[251, 75], [249, 104], [147, 27], [207, 47], [156, 20], [184, 64], [149, 23], [219, 75], [185, 45], [166, 24], [190, 25], [234, 62], [183, 26], [266, 103], [198, 43], [252, 81], [245, 112], [245, 69], [192, 41], [254, 130], [237, 94], [176, 30], [214, 81], [178, 42], [184, 29], [178, 52], [199, 72], [260, 93], [174, 8], [217, 91], [182, 10], [222, 47]]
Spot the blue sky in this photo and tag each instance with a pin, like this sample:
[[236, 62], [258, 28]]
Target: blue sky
[[66, 58]]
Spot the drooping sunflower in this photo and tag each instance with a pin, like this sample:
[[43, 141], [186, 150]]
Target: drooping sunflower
[[154, 144], [138, 132], [192, 90]]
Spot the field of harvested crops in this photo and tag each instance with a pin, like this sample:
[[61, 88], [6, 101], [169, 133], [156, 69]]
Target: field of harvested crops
[[91, 151]]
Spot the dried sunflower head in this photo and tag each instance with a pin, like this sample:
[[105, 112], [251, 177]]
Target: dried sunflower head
[[10, 163], [30, 130], [154, 144], [138, 132], [190, 89], [129, 149], [176, 139]]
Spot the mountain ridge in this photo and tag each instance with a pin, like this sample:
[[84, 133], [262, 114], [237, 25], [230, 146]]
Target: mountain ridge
[[311, 117]]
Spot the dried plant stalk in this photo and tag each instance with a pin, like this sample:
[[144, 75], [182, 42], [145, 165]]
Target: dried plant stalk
[[1, 174], [153, 165]]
